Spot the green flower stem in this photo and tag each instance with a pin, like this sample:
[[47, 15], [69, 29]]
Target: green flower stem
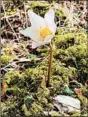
[[50, 65]]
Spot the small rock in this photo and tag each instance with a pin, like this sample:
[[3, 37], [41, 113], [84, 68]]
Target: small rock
[[66, 104]]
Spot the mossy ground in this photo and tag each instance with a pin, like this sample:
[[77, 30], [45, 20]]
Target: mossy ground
[[69, 63]]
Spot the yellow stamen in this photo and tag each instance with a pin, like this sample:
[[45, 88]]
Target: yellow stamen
[[43, 32]]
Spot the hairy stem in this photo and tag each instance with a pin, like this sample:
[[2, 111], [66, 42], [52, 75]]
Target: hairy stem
[[50, 65]]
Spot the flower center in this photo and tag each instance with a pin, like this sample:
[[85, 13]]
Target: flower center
[[44, 32]]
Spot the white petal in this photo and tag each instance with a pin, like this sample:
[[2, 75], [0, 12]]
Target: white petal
[[30, 32], [35, 44], [40, 43], [49, 18], [36, 20], [48, 38], [52, 27]]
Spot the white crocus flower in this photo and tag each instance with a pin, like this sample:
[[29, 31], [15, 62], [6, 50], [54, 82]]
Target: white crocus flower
[[42, 30]]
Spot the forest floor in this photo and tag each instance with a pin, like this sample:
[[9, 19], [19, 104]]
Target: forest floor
[[24, 70]]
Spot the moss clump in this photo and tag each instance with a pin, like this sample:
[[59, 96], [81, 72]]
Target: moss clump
[[5, 59], [69, 64], [76, 114], [39, 7], [60, 13], [34, 108], [7, 55], [54, 114]]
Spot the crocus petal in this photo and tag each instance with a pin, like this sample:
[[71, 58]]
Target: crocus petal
[[40, 43], [52, 27], [40, 28], [36, 20], [30, 32], [48, 38], [49, 18], [35, 44]]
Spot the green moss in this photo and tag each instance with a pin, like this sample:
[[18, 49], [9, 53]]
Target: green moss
[[54, 114], [39, 7], [83, 100], [36, 108], [7, 50], [26, 112], [78, 51], [7, 55], [60, 13], [42, 94], [11, 12], [5, 59], [66, 62], [69, 62], [76, 114], [12, 77]]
